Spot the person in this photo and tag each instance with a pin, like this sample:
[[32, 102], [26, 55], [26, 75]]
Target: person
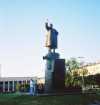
[[31, 87], [51, 36]]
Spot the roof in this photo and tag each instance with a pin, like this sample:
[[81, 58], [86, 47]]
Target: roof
[[17, 78]]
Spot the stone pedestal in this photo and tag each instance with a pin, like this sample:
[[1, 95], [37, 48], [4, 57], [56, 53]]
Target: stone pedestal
[[50, 60], [59, 76]]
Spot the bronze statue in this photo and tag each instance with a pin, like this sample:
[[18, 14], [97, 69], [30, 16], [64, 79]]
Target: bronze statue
[[51, 37]]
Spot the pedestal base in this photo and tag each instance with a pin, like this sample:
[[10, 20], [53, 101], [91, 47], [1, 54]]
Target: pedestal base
[[54, 73]]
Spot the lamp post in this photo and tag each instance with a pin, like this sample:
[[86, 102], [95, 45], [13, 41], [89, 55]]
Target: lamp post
[[82, 66]]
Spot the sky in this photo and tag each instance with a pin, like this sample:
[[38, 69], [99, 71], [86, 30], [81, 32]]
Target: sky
[[22, 33]]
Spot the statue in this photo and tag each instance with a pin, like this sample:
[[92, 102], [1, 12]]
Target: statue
[[51, 37], [55, 68]]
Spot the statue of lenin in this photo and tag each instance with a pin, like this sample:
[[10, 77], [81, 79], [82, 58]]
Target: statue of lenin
[[51, 37]]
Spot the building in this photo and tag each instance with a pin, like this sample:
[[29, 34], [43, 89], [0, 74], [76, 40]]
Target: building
[[92, 69], [13, 84]]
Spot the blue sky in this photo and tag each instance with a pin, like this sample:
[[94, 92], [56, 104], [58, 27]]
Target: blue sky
[[22, 33]]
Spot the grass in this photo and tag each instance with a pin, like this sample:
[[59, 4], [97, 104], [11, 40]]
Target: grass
[[15, 99]]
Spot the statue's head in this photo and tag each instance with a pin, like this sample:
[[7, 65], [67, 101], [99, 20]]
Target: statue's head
[[51, 25]]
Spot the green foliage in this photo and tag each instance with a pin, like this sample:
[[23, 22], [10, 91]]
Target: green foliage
[[79, 78], [74, 73], [22, 87], [93, 80], [72, 64], [68, 79], [83, 71], [71, 73], [17, 87]]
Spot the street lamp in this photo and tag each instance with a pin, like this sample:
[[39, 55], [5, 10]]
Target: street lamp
[[82, 66]]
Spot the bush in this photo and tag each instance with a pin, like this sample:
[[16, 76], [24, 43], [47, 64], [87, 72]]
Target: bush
[[73, 89]]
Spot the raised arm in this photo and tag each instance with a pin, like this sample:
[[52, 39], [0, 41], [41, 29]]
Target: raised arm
[[46, 26]]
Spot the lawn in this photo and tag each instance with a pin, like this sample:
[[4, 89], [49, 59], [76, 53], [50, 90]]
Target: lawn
[[15, 99]]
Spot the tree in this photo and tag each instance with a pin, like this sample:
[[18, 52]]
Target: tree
[[72, 66], [69, 79], [75, 73], [83, 71]]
